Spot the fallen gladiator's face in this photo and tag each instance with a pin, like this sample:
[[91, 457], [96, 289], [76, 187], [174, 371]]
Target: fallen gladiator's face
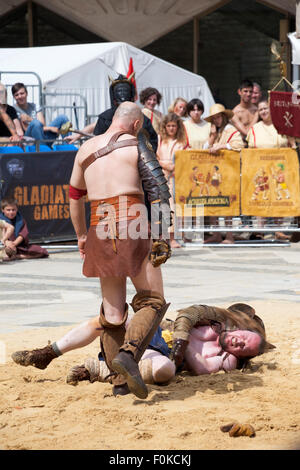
[[241, 343]]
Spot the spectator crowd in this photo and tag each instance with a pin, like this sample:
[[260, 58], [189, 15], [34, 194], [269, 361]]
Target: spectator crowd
[[248, 124]]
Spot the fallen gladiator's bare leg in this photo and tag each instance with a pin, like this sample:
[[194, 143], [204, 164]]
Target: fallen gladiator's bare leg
[[84, 333], [163, 370], [78, 337], [149, 307]]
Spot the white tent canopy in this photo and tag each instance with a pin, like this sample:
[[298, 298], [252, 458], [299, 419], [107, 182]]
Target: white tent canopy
[[85, 69], [295, 48]]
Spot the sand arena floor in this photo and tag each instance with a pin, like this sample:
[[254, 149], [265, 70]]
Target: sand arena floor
[[38, 410]]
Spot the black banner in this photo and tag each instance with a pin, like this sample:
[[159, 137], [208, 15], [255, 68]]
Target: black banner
[[40, 184]]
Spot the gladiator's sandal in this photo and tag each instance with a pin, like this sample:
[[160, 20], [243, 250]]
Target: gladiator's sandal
[[39, 358], [111, 339], [98, 370], [77, 374], [149, 308]]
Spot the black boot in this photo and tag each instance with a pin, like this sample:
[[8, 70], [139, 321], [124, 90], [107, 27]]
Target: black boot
[[125, 365]]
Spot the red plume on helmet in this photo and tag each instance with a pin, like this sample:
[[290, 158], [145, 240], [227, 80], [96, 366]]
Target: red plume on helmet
[[131, 77]]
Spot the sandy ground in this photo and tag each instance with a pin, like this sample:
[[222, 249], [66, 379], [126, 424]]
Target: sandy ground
[[38, 410]]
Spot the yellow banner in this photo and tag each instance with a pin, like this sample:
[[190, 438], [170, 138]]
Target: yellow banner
[[270, 182], [212, 181]]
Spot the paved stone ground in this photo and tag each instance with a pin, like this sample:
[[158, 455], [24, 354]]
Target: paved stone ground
[[53, 292]]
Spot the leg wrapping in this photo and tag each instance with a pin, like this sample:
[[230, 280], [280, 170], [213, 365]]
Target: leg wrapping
[[111, 339], [149, 307], [99, 371]]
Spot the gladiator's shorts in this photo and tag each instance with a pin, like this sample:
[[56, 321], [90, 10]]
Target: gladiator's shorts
[[110, 249]]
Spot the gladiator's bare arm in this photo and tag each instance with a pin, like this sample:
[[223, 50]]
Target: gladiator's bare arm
[[208, 365], [77, 206]]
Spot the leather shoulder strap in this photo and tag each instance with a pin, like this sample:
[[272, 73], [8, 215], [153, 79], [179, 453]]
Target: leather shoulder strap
[[112, 145]]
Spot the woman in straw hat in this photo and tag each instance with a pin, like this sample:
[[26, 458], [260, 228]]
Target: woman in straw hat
[[223, 135]]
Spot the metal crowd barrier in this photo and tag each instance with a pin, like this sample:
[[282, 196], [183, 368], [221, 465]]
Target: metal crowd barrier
[[36, 95]]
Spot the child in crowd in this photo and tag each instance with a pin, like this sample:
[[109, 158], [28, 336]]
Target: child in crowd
[[16, 245], [172, 137], [179, 107]]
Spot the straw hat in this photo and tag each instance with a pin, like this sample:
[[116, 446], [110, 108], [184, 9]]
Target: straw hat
[[216, 109]]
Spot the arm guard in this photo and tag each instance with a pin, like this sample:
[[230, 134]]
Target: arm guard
[[196, 315], [155, 186], [186, 319]]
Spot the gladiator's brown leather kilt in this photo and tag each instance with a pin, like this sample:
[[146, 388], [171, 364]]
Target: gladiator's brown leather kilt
[[117, 255]]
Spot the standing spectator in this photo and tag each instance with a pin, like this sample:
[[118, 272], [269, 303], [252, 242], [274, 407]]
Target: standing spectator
[[149, 98], [256, 94], [10, 127], [171, 138], [32, 118], [245, 113], [263, 134], [179, 107], [197, 130], [223, 135]]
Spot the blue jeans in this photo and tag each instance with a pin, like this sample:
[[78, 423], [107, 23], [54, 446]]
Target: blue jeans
[[35, 128]]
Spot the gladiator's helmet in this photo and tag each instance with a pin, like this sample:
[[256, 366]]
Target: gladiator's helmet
[[121, 89]]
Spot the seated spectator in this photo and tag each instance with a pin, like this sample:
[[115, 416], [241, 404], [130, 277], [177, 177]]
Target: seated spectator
[[32, 118], [17, 245], [223, 135], [197, 129], [150, 97], [179, 107], [10, 127], [171, 138]]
